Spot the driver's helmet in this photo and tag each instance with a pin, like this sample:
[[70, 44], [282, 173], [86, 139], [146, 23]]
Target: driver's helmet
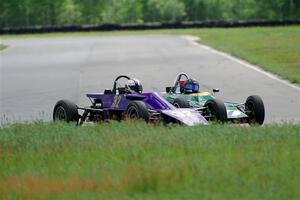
[[190, 86], [134, 86]]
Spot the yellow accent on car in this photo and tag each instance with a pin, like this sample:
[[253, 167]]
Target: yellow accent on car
[[201, 94]]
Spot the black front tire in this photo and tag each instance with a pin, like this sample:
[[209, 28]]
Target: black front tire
[[181, 103], [255, 110], [65, 110], [216, 109], [137, 110]]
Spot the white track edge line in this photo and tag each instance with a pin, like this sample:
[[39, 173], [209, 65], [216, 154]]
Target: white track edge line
[[194, 40]]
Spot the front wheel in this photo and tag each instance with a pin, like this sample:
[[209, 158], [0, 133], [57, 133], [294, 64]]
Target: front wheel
[[65, 110], [255, 110], [216, 110], [137, 110], [181, 103]]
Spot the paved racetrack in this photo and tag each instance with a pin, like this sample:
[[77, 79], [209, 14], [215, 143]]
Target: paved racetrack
[[35, 73]]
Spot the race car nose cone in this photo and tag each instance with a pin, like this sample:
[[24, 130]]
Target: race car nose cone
[[186, 116]]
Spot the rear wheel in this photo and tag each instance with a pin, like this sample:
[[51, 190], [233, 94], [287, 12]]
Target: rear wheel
[[137, 110], [181, 103], [65, 110], [255, 110], [216, 110]]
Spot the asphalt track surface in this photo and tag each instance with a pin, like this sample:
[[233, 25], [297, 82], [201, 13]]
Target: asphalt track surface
[[36, 73]]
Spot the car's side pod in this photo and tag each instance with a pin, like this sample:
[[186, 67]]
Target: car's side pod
[[135, 97]]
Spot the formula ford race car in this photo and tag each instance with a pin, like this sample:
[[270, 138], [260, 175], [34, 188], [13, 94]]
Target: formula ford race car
[[185, 94], [126, 101]]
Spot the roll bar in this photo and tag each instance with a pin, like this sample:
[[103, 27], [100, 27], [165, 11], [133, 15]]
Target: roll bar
[[179, 76], [116, 81]]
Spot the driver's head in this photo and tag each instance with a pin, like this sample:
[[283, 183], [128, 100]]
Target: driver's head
[[134, 86], [190, 86]]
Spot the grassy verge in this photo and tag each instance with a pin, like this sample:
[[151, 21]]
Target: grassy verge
[[2, 47], [139, 161], [275, 49]]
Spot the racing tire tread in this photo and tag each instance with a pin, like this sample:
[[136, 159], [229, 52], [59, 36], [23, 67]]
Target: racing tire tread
[[141, 110], [70, 109], [182, 103], [258, 108], [219, 108]]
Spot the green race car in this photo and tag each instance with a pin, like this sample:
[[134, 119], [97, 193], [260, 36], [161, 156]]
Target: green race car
[[185, 94]]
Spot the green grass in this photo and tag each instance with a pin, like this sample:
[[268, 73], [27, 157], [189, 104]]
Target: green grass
[[140, 161], [2, 47], [275, 49]]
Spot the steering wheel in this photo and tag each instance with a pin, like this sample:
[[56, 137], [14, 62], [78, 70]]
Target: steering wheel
[[114, 91]]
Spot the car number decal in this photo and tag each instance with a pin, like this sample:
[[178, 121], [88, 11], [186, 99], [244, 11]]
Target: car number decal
[[116, 102]]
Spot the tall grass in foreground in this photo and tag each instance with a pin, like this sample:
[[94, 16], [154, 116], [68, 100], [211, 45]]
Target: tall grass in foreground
[[140, 161]]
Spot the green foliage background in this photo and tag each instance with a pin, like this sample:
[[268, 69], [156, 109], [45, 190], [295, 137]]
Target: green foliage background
[[16, 13]]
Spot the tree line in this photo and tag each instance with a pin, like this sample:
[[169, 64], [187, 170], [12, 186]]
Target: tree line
[[20, 13]]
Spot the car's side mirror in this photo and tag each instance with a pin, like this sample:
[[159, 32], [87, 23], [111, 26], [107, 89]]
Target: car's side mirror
[[168, 89], [216, 90]]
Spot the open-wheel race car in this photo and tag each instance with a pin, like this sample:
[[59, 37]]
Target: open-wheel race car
[[126, 101], [185, 93]]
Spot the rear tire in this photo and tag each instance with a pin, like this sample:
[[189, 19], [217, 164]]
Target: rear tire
[[65, 110], [216, 109], [137, 110], [255, 110], [181, 103]]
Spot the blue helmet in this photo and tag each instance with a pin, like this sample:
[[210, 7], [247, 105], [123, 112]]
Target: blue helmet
[[190, 86]]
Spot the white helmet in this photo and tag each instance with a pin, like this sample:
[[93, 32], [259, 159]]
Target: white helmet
[[134, 86]]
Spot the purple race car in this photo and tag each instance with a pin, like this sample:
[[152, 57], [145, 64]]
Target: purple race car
[[126, 102]]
